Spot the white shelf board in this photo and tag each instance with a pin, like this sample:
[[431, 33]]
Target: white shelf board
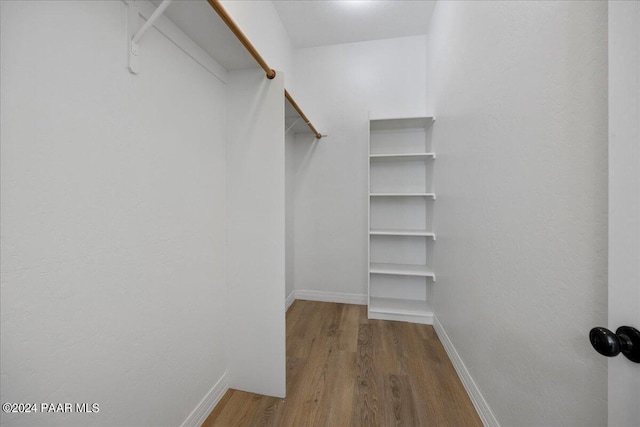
[[400, 232], [399, 306], [401, 270], [400, 309], [402, 156], [432, 195], [403, 123]]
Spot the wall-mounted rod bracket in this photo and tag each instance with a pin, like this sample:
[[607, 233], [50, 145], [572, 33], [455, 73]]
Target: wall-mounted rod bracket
[[295, 105], [292, 125], [132, 25]]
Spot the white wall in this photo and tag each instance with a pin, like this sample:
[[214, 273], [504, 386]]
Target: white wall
[[289, 184], [256, 232], [261, 23], [520, 94], [113, 219], [624, 203], [338, 86]]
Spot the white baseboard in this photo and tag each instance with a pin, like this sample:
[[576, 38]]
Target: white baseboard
[[206, 405], [290, 299], [339, 297], [426, 319], [481, 405]]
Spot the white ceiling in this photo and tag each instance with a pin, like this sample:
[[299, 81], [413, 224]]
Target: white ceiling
[[325, 22], [308, 22]]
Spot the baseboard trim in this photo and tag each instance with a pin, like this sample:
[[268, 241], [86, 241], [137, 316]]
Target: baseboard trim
[[426, 319], [290, 299], [338, 297], [206, 405], [481, 405]]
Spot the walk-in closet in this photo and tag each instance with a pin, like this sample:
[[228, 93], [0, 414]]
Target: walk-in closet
[[319, 213]]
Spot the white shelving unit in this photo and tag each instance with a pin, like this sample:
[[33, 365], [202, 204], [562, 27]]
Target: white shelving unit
[[400, 232], [398, 309], [401, 236], [403, 156], [431, 195], [401, 269]]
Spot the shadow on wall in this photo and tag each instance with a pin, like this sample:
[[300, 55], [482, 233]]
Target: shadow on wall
[[308, 143]]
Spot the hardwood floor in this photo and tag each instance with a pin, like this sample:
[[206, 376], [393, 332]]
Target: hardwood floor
[[346, 370]]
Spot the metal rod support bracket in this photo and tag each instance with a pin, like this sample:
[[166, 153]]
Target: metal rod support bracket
[[132, 28], [295, 105], [292, 125]]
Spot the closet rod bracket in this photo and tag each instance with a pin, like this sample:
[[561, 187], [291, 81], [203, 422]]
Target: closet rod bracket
[[135, 34]]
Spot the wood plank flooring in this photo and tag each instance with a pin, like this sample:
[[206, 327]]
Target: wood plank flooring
[[346, 370]]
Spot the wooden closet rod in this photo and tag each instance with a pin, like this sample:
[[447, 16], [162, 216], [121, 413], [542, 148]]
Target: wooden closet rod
[[217, 6], [270, 72], [304, 117]]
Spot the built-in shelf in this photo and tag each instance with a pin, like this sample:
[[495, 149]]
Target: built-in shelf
[[399, 232], [403, 156], [401, 270], [401, 163], [400, 309], [428, 195], [400, 124], [399, 306]]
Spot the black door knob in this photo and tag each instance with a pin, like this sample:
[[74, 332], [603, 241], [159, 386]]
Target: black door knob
[[626, 340]]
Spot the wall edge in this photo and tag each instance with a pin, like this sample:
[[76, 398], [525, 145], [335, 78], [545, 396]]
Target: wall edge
[[481, 405], [208, 402]]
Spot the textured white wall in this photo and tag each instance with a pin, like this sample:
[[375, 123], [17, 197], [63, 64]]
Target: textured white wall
[[624, 202], [520, 94], [289, 215], [261, 23], [113, 219], [340, 84], [256, 232]]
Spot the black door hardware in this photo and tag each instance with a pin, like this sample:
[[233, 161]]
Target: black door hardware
[[626, 340]]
